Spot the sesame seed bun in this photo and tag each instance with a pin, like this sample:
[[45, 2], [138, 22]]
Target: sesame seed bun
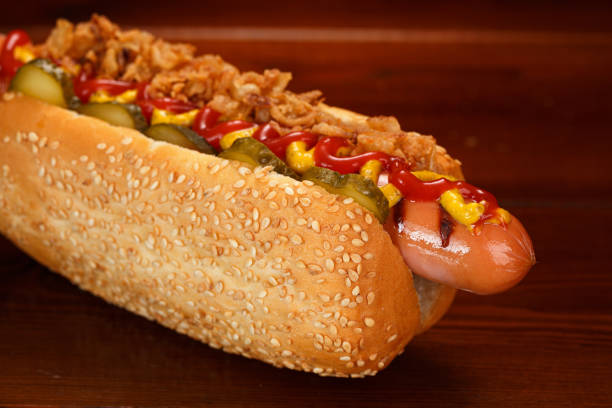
[[245, 260]]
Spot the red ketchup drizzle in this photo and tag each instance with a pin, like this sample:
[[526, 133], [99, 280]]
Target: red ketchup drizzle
[[266, 133], [85, 85], [147, 104], [415, 190], [205, 119], [327, 148], [279, 145], [8, 63]]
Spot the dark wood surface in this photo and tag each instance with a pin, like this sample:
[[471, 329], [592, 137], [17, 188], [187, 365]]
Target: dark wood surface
[[519, 91]]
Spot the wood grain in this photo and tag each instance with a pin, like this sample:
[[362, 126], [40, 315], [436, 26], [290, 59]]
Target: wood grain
[[521, 94]]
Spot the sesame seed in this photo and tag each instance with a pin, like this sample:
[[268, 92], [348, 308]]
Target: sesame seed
[[296, 239], [32, 137], [289, 191], [274, 341], [240, 183], [392, 338], [357, 242], [315, 226], [369, 322], [356, 258], [329, 265], [370, 298], [355, 291]]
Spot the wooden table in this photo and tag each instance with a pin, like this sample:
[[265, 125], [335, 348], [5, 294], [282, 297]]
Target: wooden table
[[522, 94]]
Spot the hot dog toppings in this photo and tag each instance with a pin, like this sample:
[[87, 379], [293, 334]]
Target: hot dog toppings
[[122, 103], [378, 174]]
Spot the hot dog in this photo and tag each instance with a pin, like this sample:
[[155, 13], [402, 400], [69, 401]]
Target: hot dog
[[221, 205], [491, 261]]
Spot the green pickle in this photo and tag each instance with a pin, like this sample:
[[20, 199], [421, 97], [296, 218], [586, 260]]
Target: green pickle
[[42, 79], [181, 136], [255, 153], [118, 114], [359, 188]]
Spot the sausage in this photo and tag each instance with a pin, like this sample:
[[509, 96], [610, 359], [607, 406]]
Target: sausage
[[489, 262]]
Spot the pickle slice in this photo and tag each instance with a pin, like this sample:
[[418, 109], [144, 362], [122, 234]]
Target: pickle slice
[[179, 135], [118, 114], [361, 189], [255, 153], [42, 79]]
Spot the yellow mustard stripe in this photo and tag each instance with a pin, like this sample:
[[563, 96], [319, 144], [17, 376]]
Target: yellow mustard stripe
[[392, 194], [426, 175], [102, 96], [229, 138], [164, 116], [23, 54], [298, 158], [371, 170], [465, 213]]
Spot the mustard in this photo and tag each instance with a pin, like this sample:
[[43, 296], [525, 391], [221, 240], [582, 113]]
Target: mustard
[[23, 54], [298, 158], [371, 170], [426, 175], [102, 96], [392, 194], [465, 213], [229, 138], [164, 116]]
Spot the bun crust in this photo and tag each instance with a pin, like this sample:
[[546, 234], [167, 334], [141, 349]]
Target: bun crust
[[245, 260]]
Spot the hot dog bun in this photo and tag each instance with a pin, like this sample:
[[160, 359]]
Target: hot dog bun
[[245, 260]]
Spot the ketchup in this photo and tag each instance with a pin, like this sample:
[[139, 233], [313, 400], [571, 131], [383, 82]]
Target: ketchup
[[327, 148], [147, 104], [205, 119], [279, 145], [8, 63], [415, 190], [266, 133], [84, 87]]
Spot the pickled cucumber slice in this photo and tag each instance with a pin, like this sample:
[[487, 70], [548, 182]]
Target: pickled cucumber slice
[[361, 189], [255, 153], [181, 136], [118, 114], [42, 79]]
